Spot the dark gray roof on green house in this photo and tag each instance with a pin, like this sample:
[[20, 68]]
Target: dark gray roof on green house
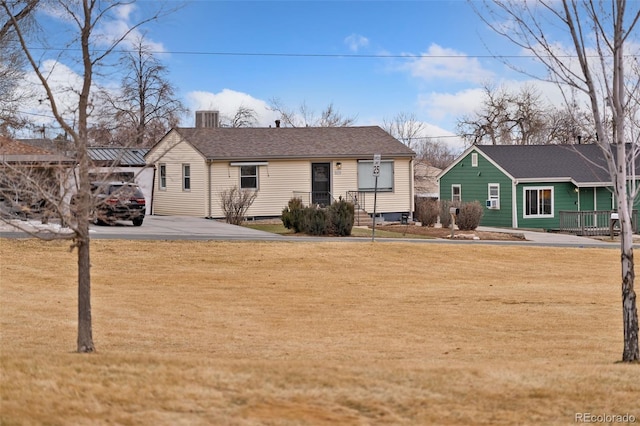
[[293, 142], [580, 163]]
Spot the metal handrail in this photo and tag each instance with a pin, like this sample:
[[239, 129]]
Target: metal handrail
[[307, 197], [591, 222]]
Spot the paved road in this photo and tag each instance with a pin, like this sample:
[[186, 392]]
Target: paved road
[[190, 228]]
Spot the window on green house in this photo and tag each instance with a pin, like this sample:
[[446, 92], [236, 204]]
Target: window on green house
[[456, 193], [538, 202], [493, 200]]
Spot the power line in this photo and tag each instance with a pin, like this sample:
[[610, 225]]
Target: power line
[[318, 55]]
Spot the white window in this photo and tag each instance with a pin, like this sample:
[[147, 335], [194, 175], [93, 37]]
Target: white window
[[538, 202], [493, 196], [249, 177], [366, 180], [162, 177], [186, 177], [456, 192], [474, 159]]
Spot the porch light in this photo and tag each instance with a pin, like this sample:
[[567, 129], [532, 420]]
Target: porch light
[[339, 165]]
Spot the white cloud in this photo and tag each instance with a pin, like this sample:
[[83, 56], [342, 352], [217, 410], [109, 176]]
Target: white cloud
[[64, 84], [356, 41], [443, 106], [443, 63], [227, 102]]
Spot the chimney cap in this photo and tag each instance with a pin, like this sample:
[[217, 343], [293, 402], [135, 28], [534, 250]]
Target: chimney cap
[[277, 123]]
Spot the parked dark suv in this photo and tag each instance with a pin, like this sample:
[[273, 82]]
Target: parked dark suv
[[118, 201]]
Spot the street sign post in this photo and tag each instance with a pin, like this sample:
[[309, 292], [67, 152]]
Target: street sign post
[[376, 173], [376, 165]]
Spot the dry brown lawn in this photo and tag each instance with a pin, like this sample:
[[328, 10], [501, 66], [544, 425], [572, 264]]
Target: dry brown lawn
[[296, 333]]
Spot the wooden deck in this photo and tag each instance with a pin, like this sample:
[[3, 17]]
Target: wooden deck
[[593, 223]]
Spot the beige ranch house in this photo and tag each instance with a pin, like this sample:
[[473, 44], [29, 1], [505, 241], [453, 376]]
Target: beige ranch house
[[317, 164]]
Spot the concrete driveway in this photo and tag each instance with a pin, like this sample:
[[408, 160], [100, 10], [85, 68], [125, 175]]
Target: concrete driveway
[[179, 228]]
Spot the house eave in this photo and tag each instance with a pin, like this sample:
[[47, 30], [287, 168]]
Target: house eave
[[257, 157]]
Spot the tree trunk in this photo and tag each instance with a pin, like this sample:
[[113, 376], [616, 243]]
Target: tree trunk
[[85, 334], [629, 309], [631, 352]]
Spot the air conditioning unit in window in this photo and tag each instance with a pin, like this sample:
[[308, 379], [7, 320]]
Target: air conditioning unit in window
[[493, 204]]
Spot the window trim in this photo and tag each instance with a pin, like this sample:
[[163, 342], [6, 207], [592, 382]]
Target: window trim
[[366, 167], [538, 190], [186, 177], [459, 187], [162, 177], [256, 176], [494, 197]]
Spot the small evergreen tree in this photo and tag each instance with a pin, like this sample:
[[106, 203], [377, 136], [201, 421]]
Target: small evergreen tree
[[341, 217], [293, 215], [316, 221]]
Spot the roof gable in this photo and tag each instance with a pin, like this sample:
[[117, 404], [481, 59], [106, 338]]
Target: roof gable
[[293, 142]]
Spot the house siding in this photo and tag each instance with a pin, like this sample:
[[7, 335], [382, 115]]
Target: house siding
[[174, 200], [281, 179], [564, 198], [474, 184], [275, 185]]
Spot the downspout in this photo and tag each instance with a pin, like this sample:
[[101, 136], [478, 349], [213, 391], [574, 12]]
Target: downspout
[[209, 193], [411, 189], [153, 189], [514, 203]]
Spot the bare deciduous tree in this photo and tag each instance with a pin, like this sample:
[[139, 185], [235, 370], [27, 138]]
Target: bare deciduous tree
[[235, 203], [12, 62], [244, 117], [305, 117], [145, 107], [406, 128], [435, 152], [600, 40], [83, 17], [410, 131], [507, 118]]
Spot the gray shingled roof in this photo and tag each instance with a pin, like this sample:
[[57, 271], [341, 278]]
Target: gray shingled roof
[[550, 161], [119, 156], [293, 142]]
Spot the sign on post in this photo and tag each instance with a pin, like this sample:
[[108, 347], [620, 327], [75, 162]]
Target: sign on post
[[376, 165], [376, 173]]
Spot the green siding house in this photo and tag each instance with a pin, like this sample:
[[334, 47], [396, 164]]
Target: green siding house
[[532, 186]]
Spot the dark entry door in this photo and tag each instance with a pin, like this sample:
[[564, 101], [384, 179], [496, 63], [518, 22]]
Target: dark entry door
[[321, 183]]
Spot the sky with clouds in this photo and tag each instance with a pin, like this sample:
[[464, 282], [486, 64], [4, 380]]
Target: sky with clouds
[[371, 59]]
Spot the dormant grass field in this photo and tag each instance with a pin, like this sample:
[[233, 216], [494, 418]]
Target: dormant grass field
[[296, 333]]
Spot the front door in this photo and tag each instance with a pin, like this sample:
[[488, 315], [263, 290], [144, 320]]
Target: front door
[[321, 184]]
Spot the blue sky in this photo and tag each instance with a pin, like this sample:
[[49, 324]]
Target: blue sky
[[385, 80], [370, 59]]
